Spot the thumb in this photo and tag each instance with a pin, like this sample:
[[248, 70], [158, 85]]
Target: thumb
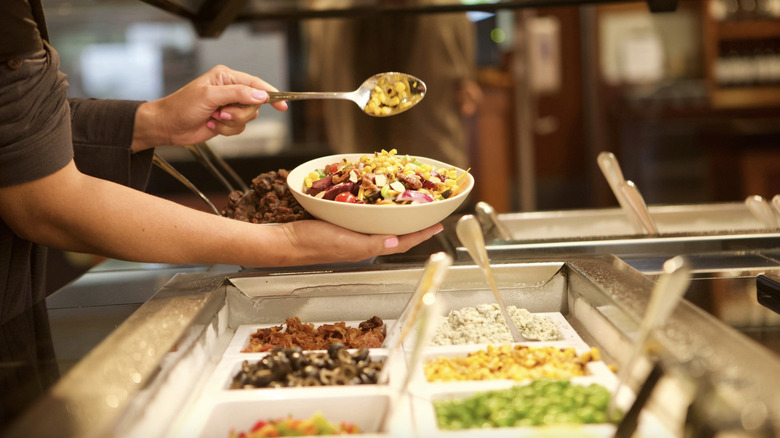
[[221, 95]]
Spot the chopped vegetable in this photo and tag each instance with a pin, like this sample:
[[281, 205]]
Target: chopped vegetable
[[346, 197], [384, 178], [316, 425], [542, 402]]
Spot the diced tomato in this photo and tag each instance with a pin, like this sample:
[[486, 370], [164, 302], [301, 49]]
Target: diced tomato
[[346, 197], [331, 168], [259, 425]]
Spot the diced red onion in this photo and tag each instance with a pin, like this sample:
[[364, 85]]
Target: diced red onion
[[414, 196], [338, 188]]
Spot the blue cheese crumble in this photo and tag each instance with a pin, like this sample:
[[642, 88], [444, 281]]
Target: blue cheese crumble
[[485, 324]]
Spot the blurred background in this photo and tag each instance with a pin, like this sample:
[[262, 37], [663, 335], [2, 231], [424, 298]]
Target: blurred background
[[688, 100]]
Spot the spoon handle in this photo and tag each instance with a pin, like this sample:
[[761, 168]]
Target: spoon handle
[[470, 234], [610, 167], [762, 211], [667, 292], [276, 96], [638, 207]]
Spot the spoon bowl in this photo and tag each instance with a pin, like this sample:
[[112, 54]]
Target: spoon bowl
[[382, 95]]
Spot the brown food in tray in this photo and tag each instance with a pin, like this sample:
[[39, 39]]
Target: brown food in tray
[[269, 200], [370, 334]]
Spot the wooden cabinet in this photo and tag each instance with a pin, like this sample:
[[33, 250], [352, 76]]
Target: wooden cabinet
[[742, 57]]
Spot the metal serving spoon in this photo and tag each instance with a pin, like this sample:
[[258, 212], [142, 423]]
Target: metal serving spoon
[[627, 194], [666, 294], [762, 211], [413, 92], [470, 234]]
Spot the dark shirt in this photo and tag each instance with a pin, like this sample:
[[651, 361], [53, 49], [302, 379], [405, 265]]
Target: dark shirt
[[40, 132], [19, 31]]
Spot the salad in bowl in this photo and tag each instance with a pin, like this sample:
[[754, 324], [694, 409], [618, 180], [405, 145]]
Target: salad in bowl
[[380, 193]]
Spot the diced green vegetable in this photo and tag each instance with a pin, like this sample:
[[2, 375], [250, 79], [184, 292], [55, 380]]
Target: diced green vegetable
[[542, 402]]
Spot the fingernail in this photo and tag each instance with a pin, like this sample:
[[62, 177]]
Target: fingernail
[[260, 95], [211, 125], [391, 242], [225, 116]]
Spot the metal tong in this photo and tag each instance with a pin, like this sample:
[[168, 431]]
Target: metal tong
[[489, 219], [627, 194], [213, 163], [163, 164], [206, 156]]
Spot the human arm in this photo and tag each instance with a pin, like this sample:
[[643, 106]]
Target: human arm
[[73, 211], [220, 101]]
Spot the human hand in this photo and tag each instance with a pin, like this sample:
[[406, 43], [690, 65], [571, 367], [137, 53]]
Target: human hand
[[321, 242], [222, 101]]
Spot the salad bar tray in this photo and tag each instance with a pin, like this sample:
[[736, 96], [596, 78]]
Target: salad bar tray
[[185, 364]]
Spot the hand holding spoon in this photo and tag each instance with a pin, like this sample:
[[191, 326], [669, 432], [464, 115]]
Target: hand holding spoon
[[381, 95]]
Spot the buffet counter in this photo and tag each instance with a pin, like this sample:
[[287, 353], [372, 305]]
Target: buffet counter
[[164, 371], [148, 350]]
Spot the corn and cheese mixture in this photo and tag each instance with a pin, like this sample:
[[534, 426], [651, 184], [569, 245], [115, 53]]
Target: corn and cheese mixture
[[384, 178], [516, 362], [392, 95]]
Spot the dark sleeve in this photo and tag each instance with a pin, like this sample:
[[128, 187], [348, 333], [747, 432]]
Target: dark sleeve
[[102, 132]]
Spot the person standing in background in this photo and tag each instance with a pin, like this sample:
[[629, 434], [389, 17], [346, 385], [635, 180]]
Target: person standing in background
[[439, 49]]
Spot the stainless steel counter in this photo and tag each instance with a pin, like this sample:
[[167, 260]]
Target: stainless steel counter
[[138, 375], [115, 310]]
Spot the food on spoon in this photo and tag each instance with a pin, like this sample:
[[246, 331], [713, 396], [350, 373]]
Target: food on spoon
[[314, 426], [269, 200], [517, 362], [392, 94], [542, 402], [383, 178], [291, 367], [370, 333], [485, 324]]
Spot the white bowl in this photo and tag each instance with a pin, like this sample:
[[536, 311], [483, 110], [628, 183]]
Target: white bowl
[[370, 218]]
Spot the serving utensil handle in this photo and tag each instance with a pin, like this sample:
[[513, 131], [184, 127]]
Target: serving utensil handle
[[278, 96]]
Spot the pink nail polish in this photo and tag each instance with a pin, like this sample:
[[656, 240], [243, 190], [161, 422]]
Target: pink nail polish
[[225, 116], [391, 242], [211, 125]]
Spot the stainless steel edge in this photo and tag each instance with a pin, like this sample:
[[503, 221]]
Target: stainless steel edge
[[91, 397], [696, 343], [645, 246]]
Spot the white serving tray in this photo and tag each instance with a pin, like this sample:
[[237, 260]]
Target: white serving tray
[[219, 409]]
